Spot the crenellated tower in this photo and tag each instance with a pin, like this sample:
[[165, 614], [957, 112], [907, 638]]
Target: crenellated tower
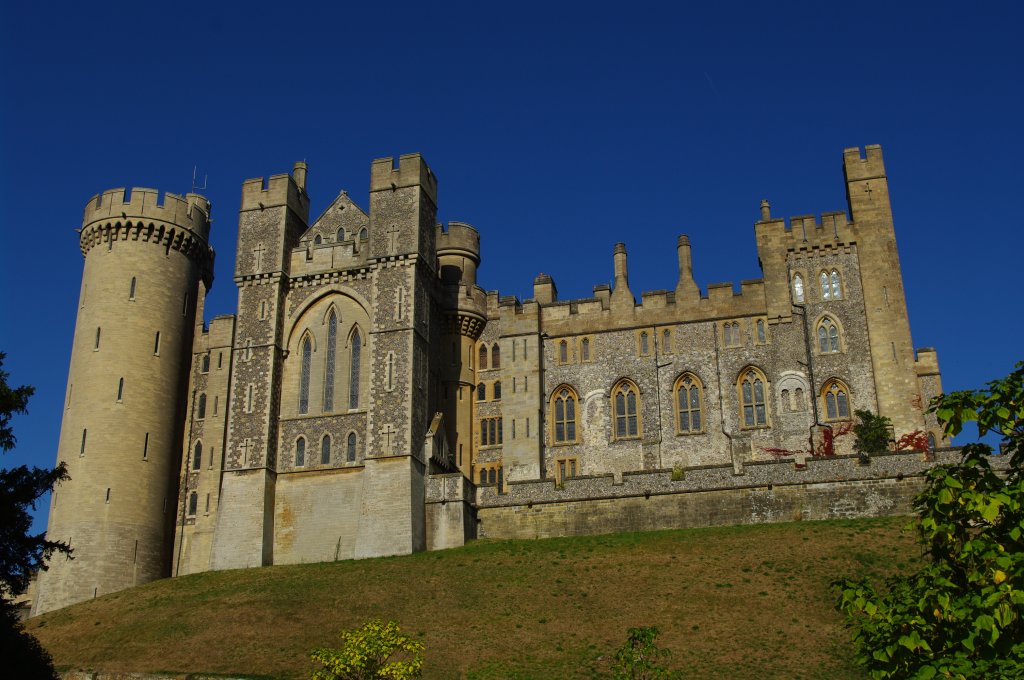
[[121, 434]]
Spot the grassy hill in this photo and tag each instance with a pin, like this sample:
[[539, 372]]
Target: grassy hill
[[737, 602]]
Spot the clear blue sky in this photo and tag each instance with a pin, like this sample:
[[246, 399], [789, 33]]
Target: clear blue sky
[[555, 130]]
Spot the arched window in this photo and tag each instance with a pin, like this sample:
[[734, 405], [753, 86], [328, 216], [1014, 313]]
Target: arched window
[[341, 234], [828, 336], [798, 289], [193, 503], [204, 363], [300, 452], [563, 405], [481, 392], [837, 400], [751, 388], [325, 450], [197, 456], [492, 476], [354, 361], [497, 391], [496, 356], [317, 240], [363, 234], [688, 404], [585, 349], [350, 449], [483, 357], [483, 476], [732, 334], [626, 407], [826, 288], [931, 441], [762, 336], [787, 402], [201, 411], [332, 341], [563, 352], [120, 389], [131, 290], [307, 360], [837, 290], [645, 347]]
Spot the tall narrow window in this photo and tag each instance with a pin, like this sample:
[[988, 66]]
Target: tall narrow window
[[318, 239], [97, 343], [156, 343], [307, 360], [197, 456], [585, 349], [837, 402], [644, 344], [762, 337], [931, 441], [496, 356], [363, 234], [481, 392], [205, 363], [828, 336], [826, 288], [201, 411], [353, 389], [564, 407], [755, 412], [798, 289], [389, 372], [325, 450], [497, 391], [482, 362], [563, 352], [625, 403], [193, 503], [215, 400], [350, 448], [688, 404], [131, 290], [145, 447], [332, 339], [837, 291], [341, 234], [300, 452], [248, 399], [81, 452], [120, 389]]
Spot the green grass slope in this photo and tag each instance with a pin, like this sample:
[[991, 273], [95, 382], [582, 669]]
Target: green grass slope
[[737, 602]]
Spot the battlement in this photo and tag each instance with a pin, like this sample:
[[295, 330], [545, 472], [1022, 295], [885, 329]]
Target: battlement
[[807, 231], [859, 166], [411, 171], [458, 238], [191, 211], [277, 190]]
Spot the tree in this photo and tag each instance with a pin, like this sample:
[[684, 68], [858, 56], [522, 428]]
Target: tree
[[21, 554], [366, 652], [962, 614], [872, 433]]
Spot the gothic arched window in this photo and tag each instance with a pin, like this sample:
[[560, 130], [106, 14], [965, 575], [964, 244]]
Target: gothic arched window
[[563, 405], [837, 400], [563, 352], [325, 450], [762, 335], [497, 391], [826, 287], [626, 407], [482, 364], [341, 234], [332, 341], [317, 240], [798, 289], [193, 503], [837, 290], [481, 392], [496, 356], [585, 349], [300, 452], [828, 336], [307, 360], [350, 449], [354, 362], [688, 404], [753, 407], [197, 456], [202, 407]]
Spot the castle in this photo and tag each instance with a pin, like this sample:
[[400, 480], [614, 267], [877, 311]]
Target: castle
[[369, 398]]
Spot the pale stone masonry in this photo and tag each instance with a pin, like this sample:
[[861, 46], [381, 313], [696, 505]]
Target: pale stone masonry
[[368, 398]]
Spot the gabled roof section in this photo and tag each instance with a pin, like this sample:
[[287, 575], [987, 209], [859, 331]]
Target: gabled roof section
[[342, 212]]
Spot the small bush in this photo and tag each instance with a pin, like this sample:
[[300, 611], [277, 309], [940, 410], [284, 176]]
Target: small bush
[[366, 652]]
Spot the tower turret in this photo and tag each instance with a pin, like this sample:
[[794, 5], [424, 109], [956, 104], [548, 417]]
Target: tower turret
[[122, 425]]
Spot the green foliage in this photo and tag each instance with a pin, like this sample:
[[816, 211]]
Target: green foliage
[[366, 653], [962, 615], [639, 658], [872, 433]]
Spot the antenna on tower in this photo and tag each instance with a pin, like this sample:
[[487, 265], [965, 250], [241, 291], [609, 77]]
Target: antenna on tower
[[194, 186]]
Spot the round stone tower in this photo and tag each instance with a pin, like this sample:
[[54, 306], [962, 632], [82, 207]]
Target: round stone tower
[[124, 409]]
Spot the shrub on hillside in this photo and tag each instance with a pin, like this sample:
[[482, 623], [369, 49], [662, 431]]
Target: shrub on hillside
[[366, 653]]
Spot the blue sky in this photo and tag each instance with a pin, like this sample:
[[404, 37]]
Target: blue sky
[[555, 129]]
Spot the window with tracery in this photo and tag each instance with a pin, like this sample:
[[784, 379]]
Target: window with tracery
[[332, 341], [563, 405], [754, 409], [828, 336], [307, 360], [837, 401], [688, 404], [626, 407], [490, 432]]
